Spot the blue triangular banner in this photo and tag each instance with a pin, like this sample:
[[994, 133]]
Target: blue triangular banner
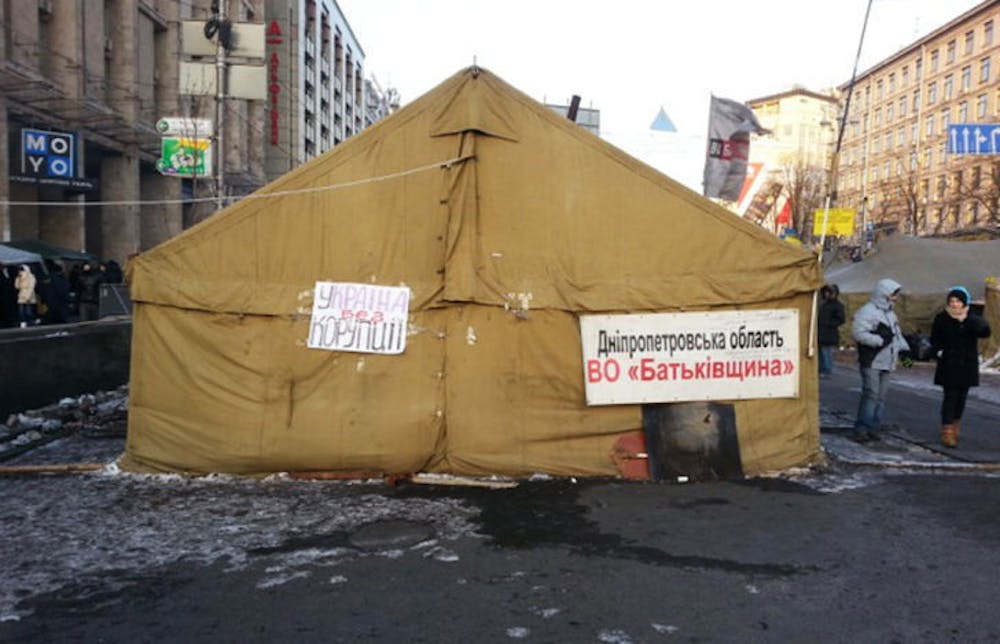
[[663, 123]]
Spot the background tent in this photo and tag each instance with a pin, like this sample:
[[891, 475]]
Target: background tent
[[925, 267], [50, 251], [506, 222], [10, 255], [990, 347]]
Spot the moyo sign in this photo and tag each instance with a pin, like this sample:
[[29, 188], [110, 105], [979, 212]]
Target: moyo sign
[[48, 154]]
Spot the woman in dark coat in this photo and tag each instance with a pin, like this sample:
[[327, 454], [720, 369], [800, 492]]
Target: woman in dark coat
[[954, 336]]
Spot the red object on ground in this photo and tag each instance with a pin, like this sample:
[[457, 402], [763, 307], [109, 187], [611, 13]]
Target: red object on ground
[[630, 457]]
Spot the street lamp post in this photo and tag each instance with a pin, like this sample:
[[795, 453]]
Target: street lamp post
[[831, 194]]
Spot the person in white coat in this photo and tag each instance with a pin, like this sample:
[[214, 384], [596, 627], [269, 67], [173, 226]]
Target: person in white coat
[[875, 328], [25, 285]]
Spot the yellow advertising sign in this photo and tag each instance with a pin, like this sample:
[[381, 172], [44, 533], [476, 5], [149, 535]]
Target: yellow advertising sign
[[839, 221]]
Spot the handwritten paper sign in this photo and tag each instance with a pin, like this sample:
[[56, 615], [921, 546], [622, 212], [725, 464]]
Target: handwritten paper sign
[[364, 318]]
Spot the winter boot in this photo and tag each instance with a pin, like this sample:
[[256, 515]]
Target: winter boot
[[949, 435]]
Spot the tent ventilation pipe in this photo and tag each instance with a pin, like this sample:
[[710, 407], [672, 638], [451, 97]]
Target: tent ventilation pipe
[[574, 107]]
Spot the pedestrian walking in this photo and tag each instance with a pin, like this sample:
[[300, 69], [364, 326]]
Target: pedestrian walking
[[955, 335], [875, 328], [831, 315], [57, 297], [8, 296], [25, 285], [112, 272], [88, 292]]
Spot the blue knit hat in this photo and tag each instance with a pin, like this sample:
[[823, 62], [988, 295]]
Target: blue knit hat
[[961, 293]]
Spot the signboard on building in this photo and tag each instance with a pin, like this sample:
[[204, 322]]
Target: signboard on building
[[185, 157], [974, 138], [839, 221], [671, 357], [192, 128], [49, 158], [275, 39]]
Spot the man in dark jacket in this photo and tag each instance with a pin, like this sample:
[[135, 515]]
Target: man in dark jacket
[[88, 293], [954, 336], [831, 315], [8, 296], [56, 296]]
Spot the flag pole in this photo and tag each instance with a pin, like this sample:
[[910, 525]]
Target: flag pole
[[831, 191], [708, 144]]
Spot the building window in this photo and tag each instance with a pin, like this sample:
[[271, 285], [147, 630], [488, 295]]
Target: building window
[[888, 113], [928, 160], [981, 107], [929, 126], [918, 69], [966, 78], [945, 119], [876, 144], [878, 117], [984, 70], [914, 132], [934, 61], [879, 90], [916, 100], [949, 83], [969, 41], [963, 112], [951, 52], [901, 137], [932, 92], [976, 176], [988, 33], [905, 80], [902, 107], [892, 83]]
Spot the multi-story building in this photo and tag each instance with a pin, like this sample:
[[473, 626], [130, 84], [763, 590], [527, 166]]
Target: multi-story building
[[894, 165], [319, 95], [791, 163], [802, 127], [83, 84], [81, 87]]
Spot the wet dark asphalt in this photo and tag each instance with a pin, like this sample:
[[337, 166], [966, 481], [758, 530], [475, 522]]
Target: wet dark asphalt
[[846, 553]]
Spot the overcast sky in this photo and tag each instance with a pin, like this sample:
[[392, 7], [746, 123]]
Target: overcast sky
[[629, 57]]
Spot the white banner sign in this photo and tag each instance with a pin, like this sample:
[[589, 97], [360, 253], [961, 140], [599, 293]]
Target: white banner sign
[[364, 318], [671, 357]]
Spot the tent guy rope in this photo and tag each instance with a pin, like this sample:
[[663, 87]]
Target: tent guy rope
[[443, 165]]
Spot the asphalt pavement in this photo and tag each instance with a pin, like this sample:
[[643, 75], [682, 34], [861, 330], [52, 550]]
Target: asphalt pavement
[[912, 424], [891, 542]]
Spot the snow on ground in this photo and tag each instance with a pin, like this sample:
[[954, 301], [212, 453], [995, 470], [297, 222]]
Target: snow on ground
[[110, 530]]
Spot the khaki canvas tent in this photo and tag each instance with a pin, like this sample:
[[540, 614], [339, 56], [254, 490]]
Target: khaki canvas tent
[[506, 222]]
